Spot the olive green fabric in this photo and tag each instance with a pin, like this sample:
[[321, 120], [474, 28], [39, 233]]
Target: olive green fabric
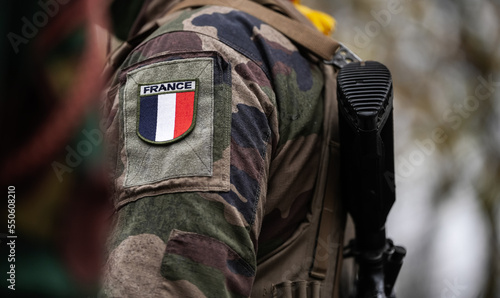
[[192, 156]]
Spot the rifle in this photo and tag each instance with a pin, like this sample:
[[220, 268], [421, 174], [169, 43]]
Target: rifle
[[365, 96]]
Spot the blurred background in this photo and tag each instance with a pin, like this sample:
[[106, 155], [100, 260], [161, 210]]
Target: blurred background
[[444, 57], [445, 60]]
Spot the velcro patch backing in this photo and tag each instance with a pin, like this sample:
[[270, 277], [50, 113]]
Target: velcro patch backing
[[168, 110]]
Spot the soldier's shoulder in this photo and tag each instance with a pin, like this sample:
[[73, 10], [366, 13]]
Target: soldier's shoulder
[[214, 28], [227, 24]]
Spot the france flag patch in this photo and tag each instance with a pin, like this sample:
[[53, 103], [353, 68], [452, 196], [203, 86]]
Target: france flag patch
[[167, 111]]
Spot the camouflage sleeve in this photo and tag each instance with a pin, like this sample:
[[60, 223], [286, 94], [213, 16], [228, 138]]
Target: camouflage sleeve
[[197, 124]]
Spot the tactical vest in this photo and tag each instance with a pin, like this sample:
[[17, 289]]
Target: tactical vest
[[309, 263]]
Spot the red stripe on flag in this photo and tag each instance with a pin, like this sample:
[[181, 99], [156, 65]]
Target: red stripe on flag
[[184, 110]]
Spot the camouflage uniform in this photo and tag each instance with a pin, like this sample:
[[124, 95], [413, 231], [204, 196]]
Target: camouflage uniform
[[198, 213]]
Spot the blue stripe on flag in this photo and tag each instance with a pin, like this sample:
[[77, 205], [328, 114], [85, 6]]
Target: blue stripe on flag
[[148, 116]]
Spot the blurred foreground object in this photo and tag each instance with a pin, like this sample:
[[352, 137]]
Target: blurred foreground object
[[50, 69]]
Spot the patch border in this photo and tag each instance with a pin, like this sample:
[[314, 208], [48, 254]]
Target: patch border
[[134, 181], [195, 110]]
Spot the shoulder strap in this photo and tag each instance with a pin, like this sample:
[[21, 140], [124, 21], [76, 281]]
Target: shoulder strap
[[308, 37]]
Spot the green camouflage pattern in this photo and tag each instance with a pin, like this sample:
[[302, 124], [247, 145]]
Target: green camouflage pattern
[[204, 236]]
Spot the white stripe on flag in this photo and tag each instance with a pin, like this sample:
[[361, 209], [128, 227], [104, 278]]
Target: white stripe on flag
[[165, 121]]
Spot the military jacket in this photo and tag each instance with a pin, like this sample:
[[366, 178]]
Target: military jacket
[[215, 124]]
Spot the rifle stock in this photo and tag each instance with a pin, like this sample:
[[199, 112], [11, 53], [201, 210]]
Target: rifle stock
[[365, 99]]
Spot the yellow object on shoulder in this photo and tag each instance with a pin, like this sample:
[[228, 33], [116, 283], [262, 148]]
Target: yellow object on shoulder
[[322, 21]]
